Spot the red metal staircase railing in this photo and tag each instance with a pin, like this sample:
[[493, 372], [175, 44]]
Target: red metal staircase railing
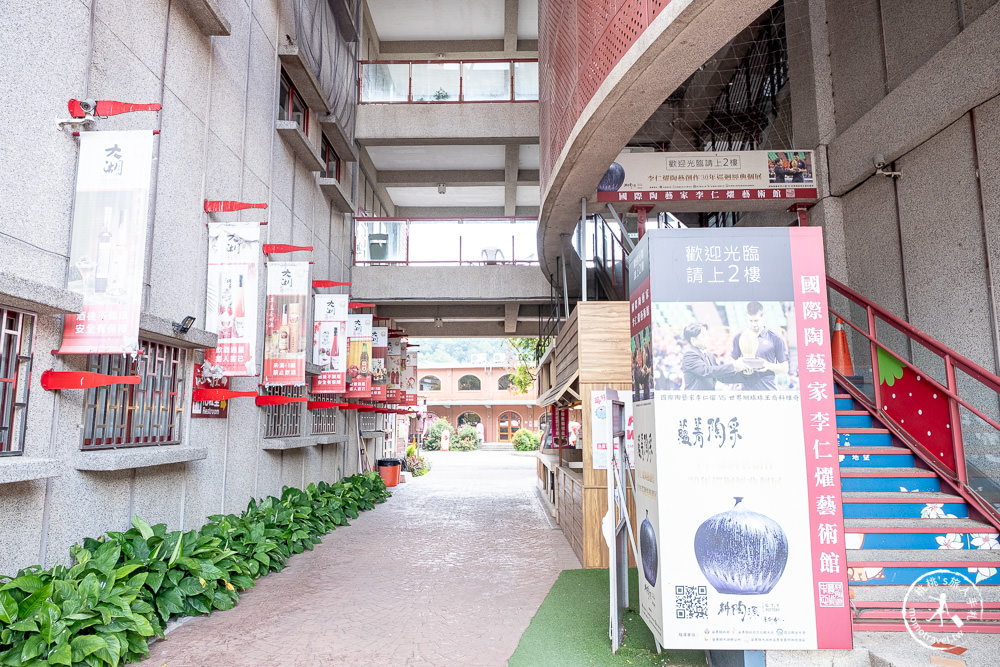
[[943, 406]]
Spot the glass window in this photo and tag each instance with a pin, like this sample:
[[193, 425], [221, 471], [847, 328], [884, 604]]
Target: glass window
[[505, 381], [436, 82], [291, 105], [526, 80], [468, 418], [430, 383], [331, 163], [486, 81], [385, 82], [469, 383], [148, 413], [16, 329]]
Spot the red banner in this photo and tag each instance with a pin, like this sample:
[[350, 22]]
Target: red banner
[[330, 343], [380, 341], [359, 356], [284, 325], [231, 297], [108, 248]]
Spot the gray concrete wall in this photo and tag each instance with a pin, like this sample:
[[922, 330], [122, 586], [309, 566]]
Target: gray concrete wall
[[217, 141], [915, 82]]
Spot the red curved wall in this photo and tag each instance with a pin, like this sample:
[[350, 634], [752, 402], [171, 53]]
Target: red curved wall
[[579, 43]]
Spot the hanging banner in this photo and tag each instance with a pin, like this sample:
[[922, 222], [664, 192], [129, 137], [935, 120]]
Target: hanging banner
[[359, 355], [231, 297], [380, 342], [393, 369], [108, 247], [284, 323], [741, 536], [409, 379], [330, 343], [706, 177], [602, 430]]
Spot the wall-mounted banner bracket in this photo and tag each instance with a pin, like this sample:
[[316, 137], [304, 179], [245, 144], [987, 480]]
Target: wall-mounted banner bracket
[[52, 380], [227, 206]]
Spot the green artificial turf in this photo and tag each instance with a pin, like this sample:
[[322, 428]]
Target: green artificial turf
[[571, 628]]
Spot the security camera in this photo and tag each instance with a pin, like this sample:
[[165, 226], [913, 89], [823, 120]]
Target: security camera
[[879, 161], [88, 106]]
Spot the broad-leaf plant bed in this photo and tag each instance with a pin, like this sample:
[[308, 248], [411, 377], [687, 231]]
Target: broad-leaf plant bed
[[123, 588]]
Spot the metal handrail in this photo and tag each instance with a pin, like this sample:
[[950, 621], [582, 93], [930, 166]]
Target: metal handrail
[[511, 98], [949, 390]]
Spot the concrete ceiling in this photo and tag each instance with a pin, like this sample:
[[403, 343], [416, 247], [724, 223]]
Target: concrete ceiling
[[445, 20], [418, 158]]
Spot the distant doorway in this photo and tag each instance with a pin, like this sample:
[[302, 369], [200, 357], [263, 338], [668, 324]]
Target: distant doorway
[[509, 423]]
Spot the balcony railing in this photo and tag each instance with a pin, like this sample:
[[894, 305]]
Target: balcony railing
[[447, 241], [447, 81]]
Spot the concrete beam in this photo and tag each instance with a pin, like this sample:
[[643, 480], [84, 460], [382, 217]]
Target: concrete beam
[[510, 26], [429, 177], [423, 284], [510, 179], [463, 212], [510, 317], [447, 124], [478, 48]]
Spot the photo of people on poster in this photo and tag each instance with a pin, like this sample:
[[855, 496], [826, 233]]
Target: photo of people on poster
[[724, 346]]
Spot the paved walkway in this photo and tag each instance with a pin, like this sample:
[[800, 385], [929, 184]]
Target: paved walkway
[[449, 571]]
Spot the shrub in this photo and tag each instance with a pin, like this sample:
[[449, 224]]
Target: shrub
[[124, 587], [467, 440], [432, 441], [526, 441]]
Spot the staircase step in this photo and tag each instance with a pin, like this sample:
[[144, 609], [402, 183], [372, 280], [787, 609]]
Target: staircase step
[[924, 613], [870, 597], [936, 526], [860, 420], [913, 533], [843, 402], [875, 457], [864, 437], [888, 504], [971, 627], [924, 558], [888, 479]]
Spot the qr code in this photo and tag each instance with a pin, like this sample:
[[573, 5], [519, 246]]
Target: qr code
[[831, 594], [691, 601]]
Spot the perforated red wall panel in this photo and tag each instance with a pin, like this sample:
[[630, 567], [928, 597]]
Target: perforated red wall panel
[[579, 43]]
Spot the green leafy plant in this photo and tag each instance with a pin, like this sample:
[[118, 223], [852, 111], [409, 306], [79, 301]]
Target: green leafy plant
[[526, 441], [123, 588], [415, 463], [432, 441], [528, 352], [467, 439], [441, 94]]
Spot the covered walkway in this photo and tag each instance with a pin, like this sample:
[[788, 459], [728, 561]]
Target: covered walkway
[[449, 570]]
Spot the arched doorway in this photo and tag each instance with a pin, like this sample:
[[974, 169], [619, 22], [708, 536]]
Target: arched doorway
[[508, 425]]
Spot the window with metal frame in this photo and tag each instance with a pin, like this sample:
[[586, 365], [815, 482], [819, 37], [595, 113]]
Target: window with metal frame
[[283, 421], [16, 333], [324, 422], [291, 106], [136, 415], [331, 163]]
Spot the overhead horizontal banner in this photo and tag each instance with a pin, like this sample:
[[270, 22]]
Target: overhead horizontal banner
[[284, 324], [330, 343], [707, 176], [231, 297], [108, 247], [742, 533]]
